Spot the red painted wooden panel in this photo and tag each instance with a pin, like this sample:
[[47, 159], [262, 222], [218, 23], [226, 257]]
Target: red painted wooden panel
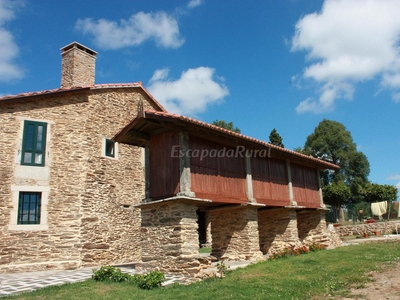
[[221, 179], [204, 179], [305, 185], [278, 169], [270, 185], [164, 169]]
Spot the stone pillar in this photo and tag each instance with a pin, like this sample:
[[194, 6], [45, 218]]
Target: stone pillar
[[278, 230], [290, 186], [235, 233], [184, 166], [321, 199], [249, 180], [208, 229], [169, 238], [313, 229]]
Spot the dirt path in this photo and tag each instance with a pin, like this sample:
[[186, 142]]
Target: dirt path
[[386, 286]]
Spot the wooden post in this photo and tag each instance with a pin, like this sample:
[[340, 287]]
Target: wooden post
[[147, 171]]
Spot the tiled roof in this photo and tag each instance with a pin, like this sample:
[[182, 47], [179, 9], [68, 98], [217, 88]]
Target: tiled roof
[[241, 136], [80, 88], [44, 92]]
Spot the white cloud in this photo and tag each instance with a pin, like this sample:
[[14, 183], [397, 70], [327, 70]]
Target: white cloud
[[191, 93], [393, 177], [139, 28], [194, 3], [9, 70], [396, 97], [347, 42]]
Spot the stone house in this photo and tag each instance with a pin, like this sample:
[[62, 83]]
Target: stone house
[[67, 190], [77, 162]]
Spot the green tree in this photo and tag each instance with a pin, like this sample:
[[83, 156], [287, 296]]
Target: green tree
[[224, 124], [332, 142], [275, 138], [336, 194], [380, 192]]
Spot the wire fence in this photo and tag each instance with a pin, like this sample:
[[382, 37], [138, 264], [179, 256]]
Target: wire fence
[[361, 212]]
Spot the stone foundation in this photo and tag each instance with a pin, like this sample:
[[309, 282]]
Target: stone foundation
[[235, 233], [277, 230], [169, 238]]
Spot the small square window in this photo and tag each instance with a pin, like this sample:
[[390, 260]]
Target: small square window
[[110, 148], [29, 206]]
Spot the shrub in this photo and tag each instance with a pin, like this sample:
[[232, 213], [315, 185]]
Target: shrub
[[297, 251], [145, 281], [150, 280], [317, 247], [222, 268], [303, 250], [110, 273]]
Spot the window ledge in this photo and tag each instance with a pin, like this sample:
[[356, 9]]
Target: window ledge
[[30, 227]]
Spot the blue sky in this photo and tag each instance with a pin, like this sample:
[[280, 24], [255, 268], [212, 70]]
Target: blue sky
[[285, 64]]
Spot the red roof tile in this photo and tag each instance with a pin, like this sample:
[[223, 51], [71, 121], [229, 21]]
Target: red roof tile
[[241, 136], [91, 87]]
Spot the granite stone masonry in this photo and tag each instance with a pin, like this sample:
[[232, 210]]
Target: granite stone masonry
[[385, 227], [277, 230], [87, 214], [170, 240], [312, 227], [235, 233]]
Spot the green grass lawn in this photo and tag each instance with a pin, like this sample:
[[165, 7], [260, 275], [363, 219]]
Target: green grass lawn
[[313, 275], [205, 250]]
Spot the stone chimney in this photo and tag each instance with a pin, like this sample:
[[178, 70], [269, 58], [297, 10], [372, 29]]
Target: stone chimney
[[78, 66]]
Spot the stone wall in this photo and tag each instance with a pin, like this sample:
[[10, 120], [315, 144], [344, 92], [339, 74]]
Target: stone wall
[[278, 230], [382, 227], [170, 240], [58, 245], [90, 214], [235, 233], [110, 223]]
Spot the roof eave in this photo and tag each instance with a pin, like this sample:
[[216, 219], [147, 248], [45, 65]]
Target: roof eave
[[197, 126]]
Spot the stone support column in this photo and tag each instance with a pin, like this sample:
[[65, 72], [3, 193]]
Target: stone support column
[[290, 186], [321, 199], [313, 229], [235, 233], [249, 180], [184, 166], [169, 238], [208, 229], [278, 230]]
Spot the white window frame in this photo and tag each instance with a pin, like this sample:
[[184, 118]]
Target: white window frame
[[41, 173], [43, 210], [103, 149]]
